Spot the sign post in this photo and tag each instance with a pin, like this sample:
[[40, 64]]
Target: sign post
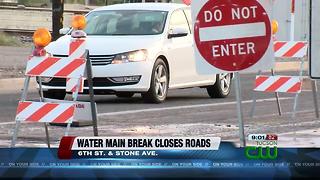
[[314, 40], [239, 109], [230, 37]]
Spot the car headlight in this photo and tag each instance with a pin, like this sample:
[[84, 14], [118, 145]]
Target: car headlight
[[133, 56]]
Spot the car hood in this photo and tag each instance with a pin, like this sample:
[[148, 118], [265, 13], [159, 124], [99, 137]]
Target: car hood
[[106, 45]]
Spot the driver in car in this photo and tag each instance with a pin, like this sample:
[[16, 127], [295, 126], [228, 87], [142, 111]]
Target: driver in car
[[157, 27]]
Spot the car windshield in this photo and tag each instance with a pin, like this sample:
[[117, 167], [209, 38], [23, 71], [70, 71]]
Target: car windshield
[[125, 22]]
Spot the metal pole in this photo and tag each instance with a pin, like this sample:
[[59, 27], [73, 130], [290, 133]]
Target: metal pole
[[47, 134], [315, 100], [41, 99], [25, 89], [296, 100], [313, 83], [292, 20], [15, 134], [23, 98], [294, 114], [277, 96], [91, 94], [239, 109], [74, 99]]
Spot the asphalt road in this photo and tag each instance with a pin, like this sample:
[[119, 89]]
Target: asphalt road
[[187, 112]]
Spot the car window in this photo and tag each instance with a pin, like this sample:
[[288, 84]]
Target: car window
[[187, 12], [126, 22], [178, 19]]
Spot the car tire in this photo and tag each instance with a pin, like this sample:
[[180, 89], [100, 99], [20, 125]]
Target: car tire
[[158, 90], [55, 94], [221, 88], [124, 94]]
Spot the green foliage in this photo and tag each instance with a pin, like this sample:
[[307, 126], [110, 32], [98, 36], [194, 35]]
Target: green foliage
[[34, 2], [8, 40]]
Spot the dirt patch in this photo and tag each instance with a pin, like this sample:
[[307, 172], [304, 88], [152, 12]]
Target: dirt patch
[[11, 73]]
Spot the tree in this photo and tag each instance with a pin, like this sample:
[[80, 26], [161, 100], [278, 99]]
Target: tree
[[57, 17]]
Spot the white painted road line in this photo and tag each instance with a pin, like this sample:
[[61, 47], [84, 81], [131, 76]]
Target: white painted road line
[[228, 32], [176, 108], [187, 107], [7, 123]]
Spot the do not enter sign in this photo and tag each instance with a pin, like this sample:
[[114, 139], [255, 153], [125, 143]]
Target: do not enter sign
[[233, 35]]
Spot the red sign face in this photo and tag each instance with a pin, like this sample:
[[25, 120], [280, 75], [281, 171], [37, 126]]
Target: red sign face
[[232, 35]]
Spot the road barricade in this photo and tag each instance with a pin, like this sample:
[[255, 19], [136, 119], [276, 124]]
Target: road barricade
[[283, 84], [287, 50], [73, 68]]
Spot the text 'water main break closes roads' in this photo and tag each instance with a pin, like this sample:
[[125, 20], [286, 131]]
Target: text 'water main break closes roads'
[[232, 36]]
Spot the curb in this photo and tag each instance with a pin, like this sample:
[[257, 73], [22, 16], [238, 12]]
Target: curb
[[16, 84], [290, 66]]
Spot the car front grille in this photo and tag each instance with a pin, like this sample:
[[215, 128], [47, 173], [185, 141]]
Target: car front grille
[[97, 82], [101, 60], [96, 60]]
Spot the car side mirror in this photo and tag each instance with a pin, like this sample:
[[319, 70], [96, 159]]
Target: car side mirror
[[64, 31], [178, 32]]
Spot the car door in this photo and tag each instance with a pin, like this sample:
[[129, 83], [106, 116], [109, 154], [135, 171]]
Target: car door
[[180, 52], [196, 78]]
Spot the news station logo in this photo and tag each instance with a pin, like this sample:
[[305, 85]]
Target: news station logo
[[265, 147]]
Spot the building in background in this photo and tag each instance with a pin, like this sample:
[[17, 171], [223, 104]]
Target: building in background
[[281, 12]]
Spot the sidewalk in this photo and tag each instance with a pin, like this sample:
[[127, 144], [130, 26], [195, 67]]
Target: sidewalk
[[306, 138], [13, 61], [14, 85]]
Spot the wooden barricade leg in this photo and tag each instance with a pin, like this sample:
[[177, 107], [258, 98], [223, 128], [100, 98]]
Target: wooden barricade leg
[[23, 97]]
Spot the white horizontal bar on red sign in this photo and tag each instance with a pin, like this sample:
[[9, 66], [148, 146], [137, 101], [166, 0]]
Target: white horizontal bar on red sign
[[45, 112], [290, 49], [232, 31], [285, 84]]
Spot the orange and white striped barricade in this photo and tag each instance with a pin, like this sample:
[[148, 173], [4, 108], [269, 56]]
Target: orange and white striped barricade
[[283, 84], [286, 84], [72, 68]]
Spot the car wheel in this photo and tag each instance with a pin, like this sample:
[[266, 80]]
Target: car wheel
[[54, 94], [124, 94], [159, 83], [221, 88]]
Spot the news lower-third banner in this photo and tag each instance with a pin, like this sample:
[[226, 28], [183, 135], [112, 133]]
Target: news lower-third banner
[[159, 157]]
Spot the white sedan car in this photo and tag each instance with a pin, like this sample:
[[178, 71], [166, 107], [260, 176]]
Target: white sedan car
[[142, 48]]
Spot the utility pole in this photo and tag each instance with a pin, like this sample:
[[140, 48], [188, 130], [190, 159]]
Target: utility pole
[[57, 18]]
